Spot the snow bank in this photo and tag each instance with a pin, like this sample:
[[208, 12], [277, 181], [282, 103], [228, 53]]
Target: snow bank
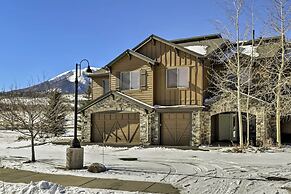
[[38, 187], [45, 187]]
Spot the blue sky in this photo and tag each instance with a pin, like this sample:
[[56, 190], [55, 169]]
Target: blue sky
[[40, 39]]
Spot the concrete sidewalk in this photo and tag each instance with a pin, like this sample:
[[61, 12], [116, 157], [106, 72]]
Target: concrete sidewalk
[[22, 176]]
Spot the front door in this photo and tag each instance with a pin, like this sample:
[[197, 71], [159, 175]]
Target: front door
[[227, 129]]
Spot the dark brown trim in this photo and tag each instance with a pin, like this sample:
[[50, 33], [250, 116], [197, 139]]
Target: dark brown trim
[[175, 46], [135, 54], [196, 38]]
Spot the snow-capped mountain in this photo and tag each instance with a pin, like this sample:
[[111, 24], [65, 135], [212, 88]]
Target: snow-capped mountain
[[65, 82]]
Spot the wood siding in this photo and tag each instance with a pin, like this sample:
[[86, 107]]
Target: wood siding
[[169, 57], [131, 63], [97, 86]]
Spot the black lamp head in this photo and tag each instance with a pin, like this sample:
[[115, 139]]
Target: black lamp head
[[89, 70]]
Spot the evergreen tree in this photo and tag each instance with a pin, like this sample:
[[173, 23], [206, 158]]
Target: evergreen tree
[[55, 114]]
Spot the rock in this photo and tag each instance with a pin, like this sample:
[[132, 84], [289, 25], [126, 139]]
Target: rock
[[96, 168]]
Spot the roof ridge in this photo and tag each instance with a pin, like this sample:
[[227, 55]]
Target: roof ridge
[[196, 38]]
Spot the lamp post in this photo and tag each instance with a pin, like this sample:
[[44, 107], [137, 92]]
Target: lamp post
[[75, 154], [75, 142]]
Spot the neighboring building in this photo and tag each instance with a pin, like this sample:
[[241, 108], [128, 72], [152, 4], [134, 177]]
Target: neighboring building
[[156, 94]]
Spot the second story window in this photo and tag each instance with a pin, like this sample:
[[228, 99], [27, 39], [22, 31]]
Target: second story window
[[178, 77], [130, 80]]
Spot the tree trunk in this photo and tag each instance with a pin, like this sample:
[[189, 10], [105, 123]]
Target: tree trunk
[[32, 148], [249, 82], [278, 122], [280, 74], [248, 122], [240, 126]]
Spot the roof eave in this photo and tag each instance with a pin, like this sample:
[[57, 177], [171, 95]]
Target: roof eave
[[98, 74], [175, 46], [133, 53]]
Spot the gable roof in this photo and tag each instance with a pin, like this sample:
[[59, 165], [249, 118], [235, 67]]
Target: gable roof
[[171, 44], [116, 93], [135, 54]]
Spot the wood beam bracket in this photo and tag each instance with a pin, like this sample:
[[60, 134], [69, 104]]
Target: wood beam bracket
[[154, 41], [129, 55], [177, 51]]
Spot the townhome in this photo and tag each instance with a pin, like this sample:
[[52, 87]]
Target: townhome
[[157, 93]]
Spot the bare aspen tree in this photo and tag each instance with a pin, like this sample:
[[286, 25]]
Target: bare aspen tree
[[238, 6], [250, 76], [231, 77], [280, 23], [23, 113]]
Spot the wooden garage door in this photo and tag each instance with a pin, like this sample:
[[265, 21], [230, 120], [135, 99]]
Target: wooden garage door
[[120, 128], [176, 129]]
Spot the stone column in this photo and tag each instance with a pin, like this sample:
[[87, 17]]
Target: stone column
[[143, 126], [155, 128], [196, 128], [86, 126], [206, 122], [261, 127]]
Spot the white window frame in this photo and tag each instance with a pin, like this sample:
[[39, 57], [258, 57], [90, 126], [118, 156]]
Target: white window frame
[[130, 83], [179, 87]]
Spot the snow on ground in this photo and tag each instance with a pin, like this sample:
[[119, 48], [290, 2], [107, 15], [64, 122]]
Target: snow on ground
[[191, 171]]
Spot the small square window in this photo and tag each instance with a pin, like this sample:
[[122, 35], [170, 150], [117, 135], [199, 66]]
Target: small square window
[[178, 77], [130, 80]]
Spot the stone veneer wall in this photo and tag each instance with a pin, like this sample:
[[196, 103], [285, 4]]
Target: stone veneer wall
[[201, 120], [116, 103], [200, 128], [227, 104]]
